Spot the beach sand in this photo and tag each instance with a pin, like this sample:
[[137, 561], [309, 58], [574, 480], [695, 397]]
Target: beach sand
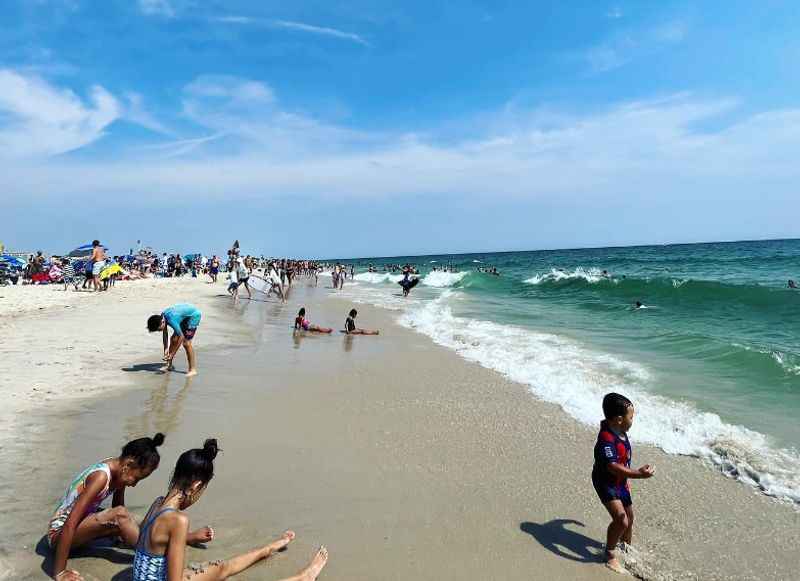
[[402, 458]]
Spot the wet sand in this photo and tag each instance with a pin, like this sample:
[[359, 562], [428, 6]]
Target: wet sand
[[402, 458]]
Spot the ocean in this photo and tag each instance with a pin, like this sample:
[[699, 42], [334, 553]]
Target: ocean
[[712, 362]]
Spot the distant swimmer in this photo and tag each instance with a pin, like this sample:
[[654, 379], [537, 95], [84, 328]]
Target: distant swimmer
[[792, 284], [638, 305], [184, 320], [350, 326], [300, 322]]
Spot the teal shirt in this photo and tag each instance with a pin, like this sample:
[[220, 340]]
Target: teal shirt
[[182, 313]]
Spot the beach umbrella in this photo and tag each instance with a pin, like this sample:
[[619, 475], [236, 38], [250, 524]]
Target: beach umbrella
[[84, 250], [109, 270], [12, 260]]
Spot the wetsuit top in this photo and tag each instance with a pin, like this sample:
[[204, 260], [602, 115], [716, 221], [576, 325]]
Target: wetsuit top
[[610, 449], [350, 325], [182, 315]]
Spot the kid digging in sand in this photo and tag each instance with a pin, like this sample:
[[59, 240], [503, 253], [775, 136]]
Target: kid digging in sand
[[184, 320], [161, 549], [79, 518], [612, 469]]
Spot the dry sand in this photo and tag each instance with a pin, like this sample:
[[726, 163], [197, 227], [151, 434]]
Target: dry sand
[[405, 460]]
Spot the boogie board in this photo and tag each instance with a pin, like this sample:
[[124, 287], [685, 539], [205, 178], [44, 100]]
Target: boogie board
[[412, 282], [259, 284]]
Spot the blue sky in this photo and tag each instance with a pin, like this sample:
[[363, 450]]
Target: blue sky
[[383, 128]]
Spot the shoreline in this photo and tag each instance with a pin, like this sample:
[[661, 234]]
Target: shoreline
[[397, 437]]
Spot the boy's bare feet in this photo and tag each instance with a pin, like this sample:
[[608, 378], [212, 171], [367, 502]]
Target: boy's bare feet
[[191, 373], [314, 568], [613, 563]]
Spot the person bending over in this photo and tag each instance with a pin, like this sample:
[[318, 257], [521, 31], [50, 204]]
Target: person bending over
[[184, 319]]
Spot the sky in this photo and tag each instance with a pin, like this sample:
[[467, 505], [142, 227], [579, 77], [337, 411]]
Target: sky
[[376, 128]]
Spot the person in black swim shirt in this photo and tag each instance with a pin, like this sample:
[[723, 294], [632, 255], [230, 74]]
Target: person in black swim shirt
[[350, 325], [612, 469]]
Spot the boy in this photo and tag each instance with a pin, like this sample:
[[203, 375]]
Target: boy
[[184, 320], [612, 468]]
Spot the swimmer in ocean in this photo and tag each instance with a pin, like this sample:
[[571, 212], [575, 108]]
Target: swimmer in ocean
[[792, 284]]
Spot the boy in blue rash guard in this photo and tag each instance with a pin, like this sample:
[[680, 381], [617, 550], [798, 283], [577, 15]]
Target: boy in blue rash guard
[[184, 319], [612, 469]]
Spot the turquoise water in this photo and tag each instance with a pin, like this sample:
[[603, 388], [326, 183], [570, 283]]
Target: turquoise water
[[713, 362]]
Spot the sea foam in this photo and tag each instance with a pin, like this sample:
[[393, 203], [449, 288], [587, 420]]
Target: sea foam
[[443, 279]]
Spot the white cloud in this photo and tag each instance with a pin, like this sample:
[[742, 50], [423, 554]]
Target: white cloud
[[230, 87], [646, 151], [295, 26], [39, 119], [614, 13], [157, 8], [623, 47], [135, 112]]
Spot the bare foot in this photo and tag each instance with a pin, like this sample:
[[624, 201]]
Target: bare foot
[[191, 373], [315, 567], [613, 563], [281, 543]]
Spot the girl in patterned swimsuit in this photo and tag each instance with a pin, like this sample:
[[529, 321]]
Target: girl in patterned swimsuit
[[79, 518], [160, 551]]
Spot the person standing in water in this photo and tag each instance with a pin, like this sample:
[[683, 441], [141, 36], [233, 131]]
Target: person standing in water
[[350, 325], [184, 319]]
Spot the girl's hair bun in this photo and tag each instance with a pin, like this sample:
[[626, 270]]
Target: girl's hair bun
[[158, 439], [210, 448]]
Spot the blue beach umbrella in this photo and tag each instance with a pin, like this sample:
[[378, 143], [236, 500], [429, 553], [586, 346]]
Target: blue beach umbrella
[[12, 260]]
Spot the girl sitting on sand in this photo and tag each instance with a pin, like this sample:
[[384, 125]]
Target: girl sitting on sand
[[350, 325], [160, 551], [79, 518], [300, 322]]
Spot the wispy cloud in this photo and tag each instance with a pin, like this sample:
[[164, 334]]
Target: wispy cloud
[[135, 112], [627, 45], [37, 118], [181, 147], [614, 13], [157, 7], [253, 146], [294, 26]]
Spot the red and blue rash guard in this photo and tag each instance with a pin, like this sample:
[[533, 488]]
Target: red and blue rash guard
[[611, 449]]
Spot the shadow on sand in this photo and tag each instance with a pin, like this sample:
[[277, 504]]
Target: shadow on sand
[[558, 539], [99, 549], [150, 367]]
